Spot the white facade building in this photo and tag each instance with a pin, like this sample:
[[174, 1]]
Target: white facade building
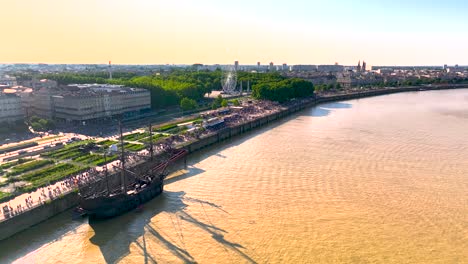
[[10, 108], [84, 102], [8, 81]]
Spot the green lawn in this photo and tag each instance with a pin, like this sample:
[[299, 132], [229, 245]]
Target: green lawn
[[156, 138], [25, 167], [95, 159], [128, 146], [50, 175], [68, 152], [4, 195], [107, 143], [176, 130], [13, 163], [136, 136], [64, 154], [166, 127], [101, 161], [134, 147]]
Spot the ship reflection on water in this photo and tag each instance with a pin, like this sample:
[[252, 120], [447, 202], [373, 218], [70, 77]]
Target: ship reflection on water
[[137, 231], [114, 236]]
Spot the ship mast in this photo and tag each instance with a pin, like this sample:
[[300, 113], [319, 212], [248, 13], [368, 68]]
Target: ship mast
[[151, 141], [122, 160], [106, 172]]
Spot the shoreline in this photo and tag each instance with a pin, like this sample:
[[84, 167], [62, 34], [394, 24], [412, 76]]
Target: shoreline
[[36, 215], [232, 131]]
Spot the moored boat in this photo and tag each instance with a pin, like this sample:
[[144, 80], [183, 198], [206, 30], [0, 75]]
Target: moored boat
[[98, 200]]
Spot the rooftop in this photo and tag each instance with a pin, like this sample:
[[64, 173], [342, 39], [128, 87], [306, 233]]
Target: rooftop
[[90, 90]]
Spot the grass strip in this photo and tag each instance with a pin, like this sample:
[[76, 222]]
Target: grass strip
[[13, 163], [4, 196], [50, 175], [156, 138], [29, 166], [107, 143], [136, 136]]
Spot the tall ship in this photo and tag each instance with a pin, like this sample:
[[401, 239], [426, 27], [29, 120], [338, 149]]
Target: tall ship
[[138, 179]]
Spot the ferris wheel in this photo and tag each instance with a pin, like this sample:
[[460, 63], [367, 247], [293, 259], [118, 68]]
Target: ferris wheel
[[229, 81]]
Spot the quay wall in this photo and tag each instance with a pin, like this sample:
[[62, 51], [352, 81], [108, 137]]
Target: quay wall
[[38, 214]]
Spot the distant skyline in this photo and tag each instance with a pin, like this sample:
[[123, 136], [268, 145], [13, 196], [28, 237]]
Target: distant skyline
[[413, 32]]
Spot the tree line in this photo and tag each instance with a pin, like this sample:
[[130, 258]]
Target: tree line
[[284, 90], [169, 88], [166, 89]]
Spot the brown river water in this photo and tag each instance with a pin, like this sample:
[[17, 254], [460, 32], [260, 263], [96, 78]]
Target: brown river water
[[374, 180]]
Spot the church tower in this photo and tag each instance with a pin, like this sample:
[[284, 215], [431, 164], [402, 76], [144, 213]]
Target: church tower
[[358, 69], [363, 66]]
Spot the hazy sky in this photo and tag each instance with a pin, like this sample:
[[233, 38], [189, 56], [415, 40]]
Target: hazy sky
[[390, 32]]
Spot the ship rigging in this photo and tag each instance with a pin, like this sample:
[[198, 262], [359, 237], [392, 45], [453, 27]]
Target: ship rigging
[[141, 179]]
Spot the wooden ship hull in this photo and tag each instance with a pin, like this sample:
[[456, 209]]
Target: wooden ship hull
[[138, 184], [101, 204], [102, 207]]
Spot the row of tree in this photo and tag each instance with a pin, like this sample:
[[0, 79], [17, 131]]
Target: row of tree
[[39, 124], [284, 90]]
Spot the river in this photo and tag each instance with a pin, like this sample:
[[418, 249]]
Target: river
[[374, 180]]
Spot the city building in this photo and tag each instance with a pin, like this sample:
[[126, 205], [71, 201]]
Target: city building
[[236, 65], [284, 67], [40, 84], [330, 68], [23, 93], [317, 78], [10, 107], [362, 68], [304, 68], [352, 79], [40, 103], [384, 70], [89, 102], [7, 81], [271, 66]]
